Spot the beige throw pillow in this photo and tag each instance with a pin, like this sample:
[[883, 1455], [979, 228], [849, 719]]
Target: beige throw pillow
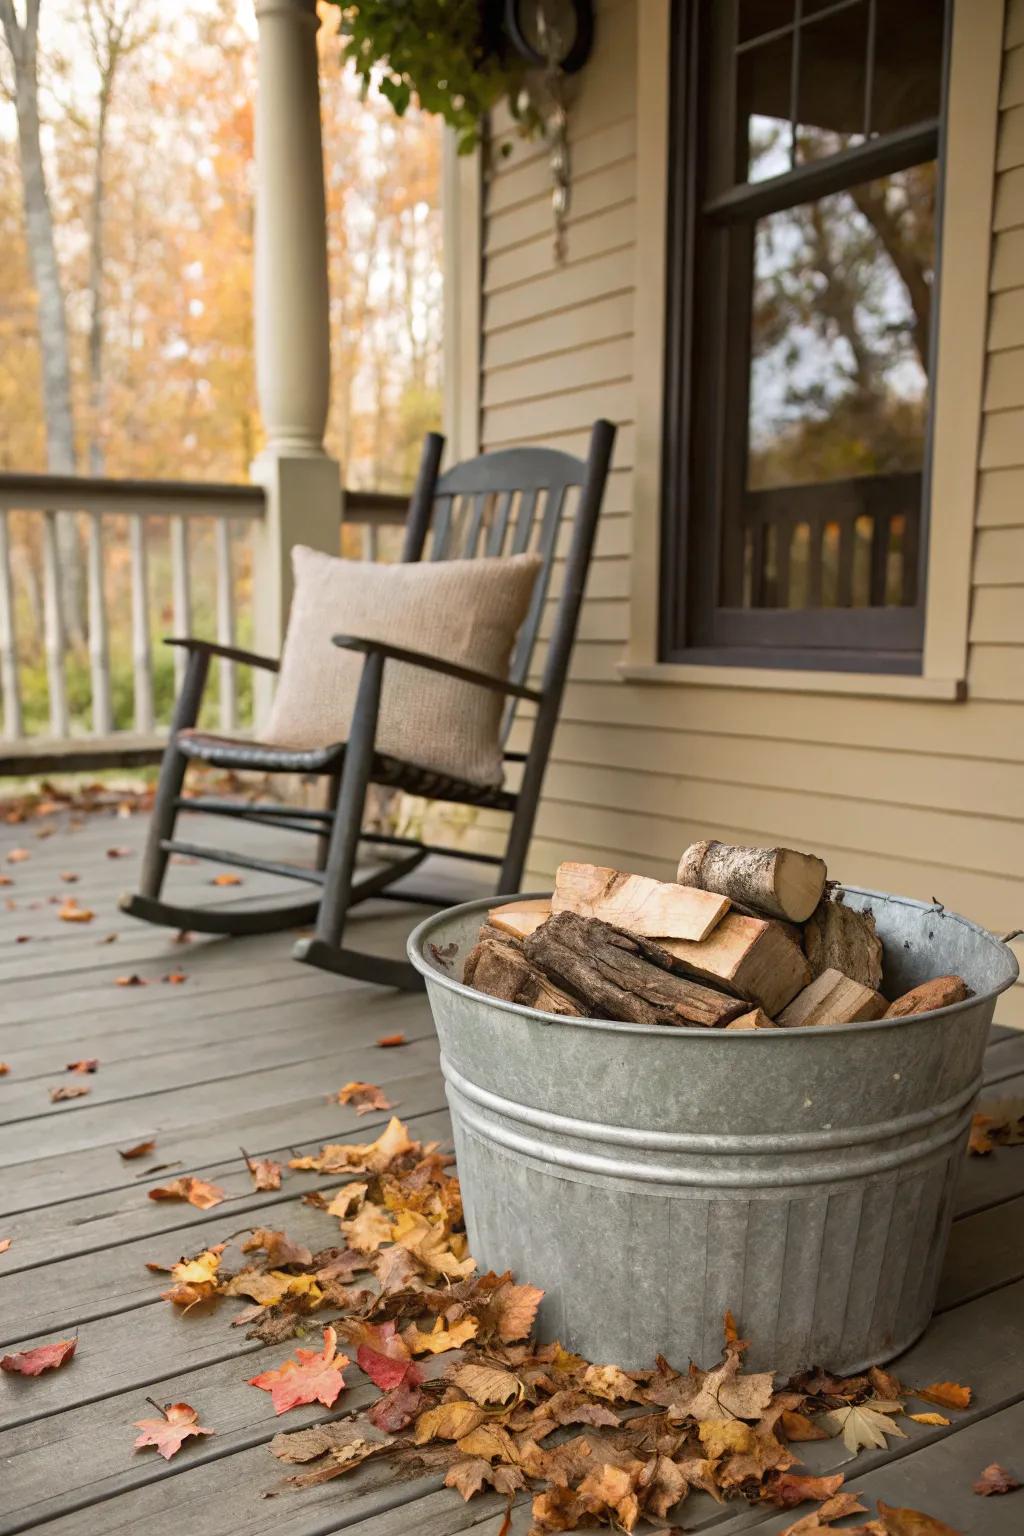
[[465, 611]]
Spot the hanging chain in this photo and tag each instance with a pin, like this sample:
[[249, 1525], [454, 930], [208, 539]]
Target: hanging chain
[[556, 128]]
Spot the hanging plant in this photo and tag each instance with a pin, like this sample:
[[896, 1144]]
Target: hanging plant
[[453, 56]]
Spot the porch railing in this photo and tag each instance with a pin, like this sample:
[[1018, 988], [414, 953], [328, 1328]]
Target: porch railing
[[202, 531]]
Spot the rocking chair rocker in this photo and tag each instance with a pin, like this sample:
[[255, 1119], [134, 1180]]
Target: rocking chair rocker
[[504, 503]]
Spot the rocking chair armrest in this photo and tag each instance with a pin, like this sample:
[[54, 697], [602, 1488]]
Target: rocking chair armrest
[[227, 652], [437, 664]]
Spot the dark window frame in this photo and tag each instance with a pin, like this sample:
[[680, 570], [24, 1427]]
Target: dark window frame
[[691, 629]]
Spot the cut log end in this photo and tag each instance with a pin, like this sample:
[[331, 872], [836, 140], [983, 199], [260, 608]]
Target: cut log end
[[755, 1019], [832, 998], [520, 918]]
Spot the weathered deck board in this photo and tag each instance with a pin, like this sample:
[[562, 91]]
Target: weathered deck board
[[244, 1054]]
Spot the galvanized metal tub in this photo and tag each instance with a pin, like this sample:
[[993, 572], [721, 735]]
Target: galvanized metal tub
[[649, 1177]]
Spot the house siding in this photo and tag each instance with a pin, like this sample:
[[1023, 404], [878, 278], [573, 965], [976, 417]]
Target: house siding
[[917, 796]]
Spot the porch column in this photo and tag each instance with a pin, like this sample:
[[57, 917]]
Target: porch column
[[302, 482]]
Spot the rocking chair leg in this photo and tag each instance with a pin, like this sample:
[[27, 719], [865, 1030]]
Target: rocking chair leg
[[323, 842], [172, 777], [325, 949]]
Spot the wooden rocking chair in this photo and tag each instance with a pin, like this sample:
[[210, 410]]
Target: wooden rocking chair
[[509, 502]]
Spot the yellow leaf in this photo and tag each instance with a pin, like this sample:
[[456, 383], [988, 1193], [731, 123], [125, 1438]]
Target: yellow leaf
[[448, 1421], [347, 1200], [368, 1229], [201, 1269], [490, 1442], [441, 1339], [929, 1418], [719, 1437]]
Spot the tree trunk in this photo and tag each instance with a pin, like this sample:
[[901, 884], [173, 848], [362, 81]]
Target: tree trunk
[[22, 43]]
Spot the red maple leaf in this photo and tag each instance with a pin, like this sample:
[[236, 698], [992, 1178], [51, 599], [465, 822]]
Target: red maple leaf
[[30, 1362], [166, 1434], [313, 1377], [385, 1358]]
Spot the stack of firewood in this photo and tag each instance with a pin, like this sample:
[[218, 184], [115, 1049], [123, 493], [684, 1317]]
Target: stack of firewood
[[746, 938]]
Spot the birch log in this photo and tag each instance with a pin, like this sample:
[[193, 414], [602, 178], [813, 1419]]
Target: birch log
[[776, 881]]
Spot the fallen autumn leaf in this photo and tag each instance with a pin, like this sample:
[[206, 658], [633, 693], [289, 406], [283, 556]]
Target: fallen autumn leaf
[[167, 1434], [46, 1357]]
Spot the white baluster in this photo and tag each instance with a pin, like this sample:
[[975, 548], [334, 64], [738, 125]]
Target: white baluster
[[141, 658], [181, 595], [53, 629], [226, 625], [8, 641], [99, 642]]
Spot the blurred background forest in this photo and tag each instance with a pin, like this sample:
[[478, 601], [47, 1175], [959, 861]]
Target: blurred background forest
[[145, 132]]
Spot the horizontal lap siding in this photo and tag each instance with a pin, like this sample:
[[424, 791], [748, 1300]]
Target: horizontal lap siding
[[922, 797]]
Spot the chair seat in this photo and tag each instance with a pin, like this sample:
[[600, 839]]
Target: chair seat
[[392, 772]]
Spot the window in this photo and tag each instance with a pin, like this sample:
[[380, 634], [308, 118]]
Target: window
[[803, 239]]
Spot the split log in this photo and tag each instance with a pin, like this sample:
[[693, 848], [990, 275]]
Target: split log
[[653, 909], [794, 931], [839, 938], [620, 976], [520, 917], [777, 881], [502, 970], [755, 1019], [832, 998], [748, 956], [937, 993]]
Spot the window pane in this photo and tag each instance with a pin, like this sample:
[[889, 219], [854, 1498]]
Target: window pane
[[908, 63], [833, 82], [838, 391], [763, 79], [758, 16]]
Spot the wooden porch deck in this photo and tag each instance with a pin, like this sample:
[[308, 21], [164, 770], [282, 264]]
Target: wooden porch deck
[[242, 1054]]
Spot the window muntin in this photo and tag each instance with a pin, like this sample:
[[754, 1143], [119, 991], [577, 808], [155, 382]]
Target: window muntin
[[802, 281]]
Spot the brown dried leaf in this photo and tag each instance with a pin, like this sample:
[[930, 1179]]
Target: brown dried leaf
[[488, 1385], [995, 1479], [391, 1040], [167, 1434], [226, 878], [196, 1191], [70, 912], [87, 1064], [278, 1247], [141, 1149], [363, 1097], [69, 1091], [912, 1522]]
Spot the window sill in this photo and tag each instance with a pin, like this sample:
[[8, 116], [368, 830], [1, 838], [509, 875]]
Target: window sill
[[868, 685]]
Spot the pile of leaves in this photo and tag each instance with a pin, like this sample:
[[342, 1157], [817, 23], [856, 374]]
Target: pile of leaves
[[465, 1389]]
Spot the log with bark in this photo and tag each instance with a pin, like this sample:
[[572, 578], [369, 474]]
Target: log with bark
[[840, 938], [617, 975], [832, 998], [654, 909], [748, 956], [502, 970], [780, 882]]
